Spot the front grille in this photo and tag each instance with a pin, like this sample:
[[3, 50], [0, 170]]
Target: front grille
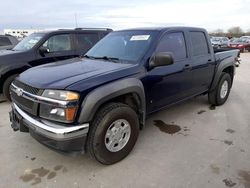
[[25, 104], [27, 88]]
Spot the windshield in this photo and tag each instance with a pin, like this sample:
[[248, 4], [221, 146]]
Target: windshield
[[28, 42], [126, 45]]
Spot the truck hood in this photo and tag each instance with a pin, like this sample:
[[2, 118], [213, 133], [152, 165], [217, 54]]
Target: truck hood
[[63, 74]]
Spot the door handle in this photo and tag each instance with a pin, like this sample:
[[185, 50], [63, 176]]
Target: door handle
[[187, 66]]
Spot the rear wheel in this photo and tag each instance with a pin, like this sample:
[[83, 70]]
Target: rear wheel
[[6, 86], [220, 94], [113, 133]]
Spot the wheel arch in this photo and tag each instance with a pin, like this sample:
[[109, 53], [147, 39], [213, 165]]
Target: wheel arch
[[129, 91]]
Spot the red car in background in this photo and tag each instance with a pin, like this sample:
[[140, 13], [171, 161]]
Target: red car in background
[[241, 44]]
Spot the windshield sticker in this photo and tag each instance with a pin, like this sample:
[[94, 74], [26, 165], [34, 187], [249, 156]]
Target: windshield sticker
[[140, 37]]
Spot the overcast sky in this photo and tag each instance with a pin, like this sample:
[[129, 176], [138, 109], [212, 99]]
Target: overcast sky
[[118, 14]]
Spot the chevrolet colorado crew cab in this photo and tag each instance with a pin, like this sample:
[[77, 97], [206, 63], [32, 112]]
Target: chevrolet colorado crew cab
[[45, 47], [98, 103]]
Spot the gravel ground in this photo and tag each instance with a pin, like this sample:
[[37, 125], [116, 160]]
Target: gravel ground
[[207, 147]]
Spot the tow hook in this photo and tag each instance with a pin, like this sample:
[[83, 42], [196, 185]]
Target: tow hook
[[13, 125]]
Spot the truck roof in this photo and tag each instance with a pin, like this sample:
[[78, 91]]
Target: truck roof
[[162, 28], [76, 30]]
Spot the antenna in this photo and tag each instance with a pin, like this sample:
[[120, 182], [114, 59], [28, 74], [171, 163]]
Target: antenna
[[76, 20]]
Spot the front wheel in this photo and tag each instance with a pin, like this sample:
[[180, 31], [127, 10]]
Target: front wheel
[[220, 94], [113, 133]]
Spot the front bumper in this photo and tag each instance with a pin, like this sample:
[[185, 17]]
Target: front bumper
[[70, 138]]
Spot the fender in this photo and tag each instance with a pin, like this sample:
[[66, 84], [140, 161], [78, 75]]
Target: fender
[[224, 60], [100, 95]]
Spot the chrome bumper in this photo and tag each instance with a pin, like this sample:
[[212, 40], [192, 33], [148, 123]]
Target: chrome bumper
[[52, 130]]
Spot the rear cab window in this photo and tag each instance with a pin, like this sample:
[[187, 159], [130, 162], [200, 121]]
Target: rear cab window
[[199, 43], [85, 41]]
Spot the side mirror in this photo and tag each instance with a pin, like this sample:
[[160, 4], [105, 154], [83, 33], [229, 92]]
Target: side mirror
[[161, 59], [43, 50]]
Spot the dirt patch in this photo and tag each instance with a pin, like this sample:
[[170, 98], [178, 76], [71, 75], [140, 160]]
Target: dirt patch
[[167, 128], [229, 182]]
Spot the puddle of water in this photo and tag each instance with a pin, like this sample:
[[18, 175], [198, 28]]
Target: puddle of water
[[35, 176], [201, 111], [230, 131], [27, 177], [244, 178], [229, 182], [51, 175], [228, 142], [33, 158], [167, 128], [40, 171], [212, 107], [58, 167], [37, 180]]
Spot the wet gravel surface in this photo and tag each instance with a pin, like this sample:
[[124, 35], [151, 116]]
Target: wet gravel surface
[[191, 145]]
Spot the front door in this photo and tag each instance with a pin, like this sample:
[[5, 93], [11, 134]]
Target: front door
[[167, 84], [60, 47]]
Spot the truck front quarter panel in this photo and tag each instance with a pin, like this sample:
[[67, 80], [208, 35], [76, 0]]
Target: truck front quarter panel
[[99, 96]]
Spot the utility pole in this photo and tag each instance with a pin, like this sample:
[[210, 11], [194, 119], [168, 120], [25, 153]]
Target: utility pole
[[76, 20]]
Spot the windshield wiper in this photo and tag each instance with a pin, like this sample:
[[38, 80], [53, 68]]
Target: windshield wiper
[[113, 59], [89, 57]]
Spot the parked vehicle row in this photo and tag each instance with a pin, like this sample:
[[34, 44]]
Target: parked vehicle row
[[99, 102], [242, 43], [7, 42], [45, 47]]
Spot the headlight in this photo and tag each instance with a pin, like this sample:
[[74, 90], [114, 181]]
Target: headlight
[[61, 95], [59, 113]]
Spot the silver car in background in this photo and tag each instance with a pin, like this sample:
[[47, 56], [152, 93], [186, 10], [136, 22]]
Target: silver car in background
[[219, 42]]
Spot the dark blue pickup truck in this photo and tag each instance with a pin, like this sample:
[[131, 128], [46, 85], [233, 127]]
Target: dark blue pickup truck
[[98, 103]]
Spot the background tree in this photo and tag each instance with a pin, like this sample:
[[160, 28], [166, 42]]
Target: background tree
[[235, 32]]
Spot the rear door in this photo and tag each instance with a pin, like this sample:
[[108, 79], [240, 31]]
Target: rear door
[[202, 61], [85, 41]]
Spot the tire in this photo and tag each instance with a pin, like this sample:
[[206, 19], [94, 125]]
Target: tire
[[217, 96], [103, 123], [6, 86]]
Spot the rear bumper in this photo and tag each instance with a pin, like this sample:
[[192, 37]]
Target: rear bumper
[[70, 138]]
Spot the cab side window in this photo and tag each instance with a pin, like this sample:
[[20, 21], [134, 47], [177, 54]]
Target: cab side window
[[174, 43], [199, 43], [4, 41], [87, 40], [58, 43]]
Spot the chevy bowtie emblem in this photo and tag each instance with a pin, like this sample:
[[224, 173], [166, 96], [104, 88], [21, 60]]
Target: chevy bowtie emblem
[[19, 92]]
